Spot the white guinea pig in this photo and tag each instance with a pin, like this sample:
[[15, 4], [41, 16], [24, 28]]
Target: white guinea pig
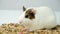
[[38, 18]]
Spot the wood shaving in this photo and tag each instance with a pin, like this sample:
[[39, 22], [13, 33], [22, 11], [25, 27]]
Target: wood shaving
[[16, 28]]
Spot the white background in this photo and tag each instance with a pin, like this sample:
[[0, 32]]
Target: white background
[[10, 10], [17, 4]]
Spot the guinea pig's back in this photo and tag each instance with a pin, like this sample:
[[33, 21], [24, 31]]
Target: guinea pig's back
[[45, 16]]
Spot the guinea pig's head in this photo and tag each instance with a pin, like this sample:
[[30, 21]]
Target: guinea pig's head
[[28, 14]]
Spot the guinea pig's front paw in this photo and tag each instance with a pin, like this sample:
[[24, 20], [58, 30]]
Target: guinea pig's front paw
[[20, 33]]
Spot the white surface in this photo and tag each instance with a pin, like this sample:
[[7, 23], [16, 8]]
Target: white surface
[[11, 16], [8, 16]]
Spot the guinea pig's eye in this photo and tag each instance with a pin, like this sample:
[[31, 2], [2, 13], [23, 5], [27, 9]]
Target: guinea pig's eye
[[26, 16]]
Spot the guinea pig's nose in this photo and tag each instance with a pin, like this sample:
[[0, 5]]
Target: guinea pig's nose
[[20, 22], [26, 16]]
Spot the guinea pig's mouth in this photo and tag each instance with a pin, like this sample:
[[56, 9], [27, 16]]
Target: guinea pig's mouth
[[20, 22]]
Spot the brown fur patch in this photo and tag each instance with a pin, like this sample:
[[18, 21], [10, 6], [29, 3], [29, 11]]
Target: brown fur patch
[[29, 14]]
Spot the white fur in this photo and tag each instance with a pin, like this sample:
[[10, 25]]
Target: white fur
[[44, 18]]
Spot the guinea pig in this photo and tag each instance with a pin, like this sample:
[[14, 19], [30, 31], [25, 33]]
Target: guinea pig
[[38, 18]]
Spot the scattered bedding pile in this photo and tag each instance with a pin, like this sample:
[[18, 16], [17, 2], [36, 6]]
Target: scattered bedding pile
[[20, 29]]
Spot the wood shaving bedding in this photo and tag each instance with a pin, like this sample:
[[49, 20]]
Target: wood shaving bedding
[[17, 28]]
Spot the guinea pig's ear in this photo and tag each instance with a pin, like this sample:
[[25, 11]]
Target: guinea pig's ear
[[24, 8]]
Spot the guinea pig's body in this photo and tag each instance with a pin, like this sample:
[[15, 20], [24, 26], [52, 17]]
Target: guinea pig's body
[[44, 18]]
